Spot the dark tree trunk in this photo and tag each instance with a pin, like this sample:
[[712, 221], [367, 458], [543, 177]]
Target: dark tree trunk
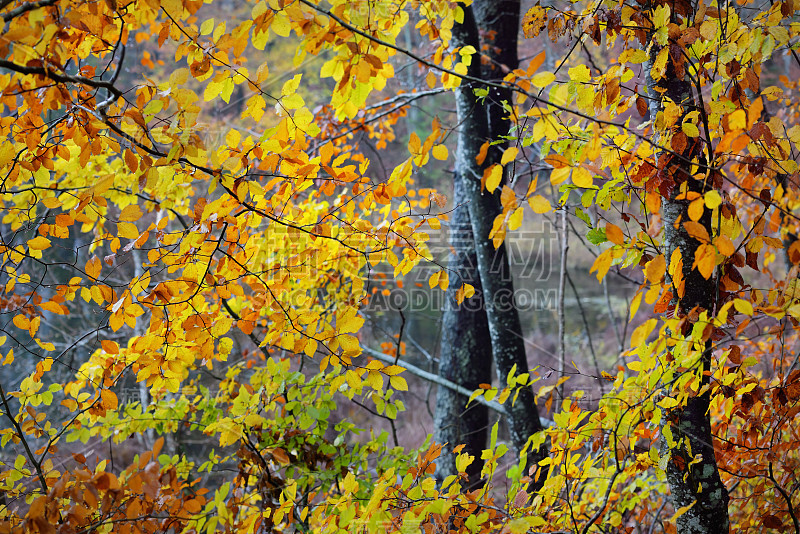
[[479, 123], [697, 483], [466, 351]]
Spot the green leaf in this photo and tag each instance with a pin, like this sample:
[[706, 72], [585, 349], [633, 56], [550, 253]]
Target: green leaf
[[596, 236]]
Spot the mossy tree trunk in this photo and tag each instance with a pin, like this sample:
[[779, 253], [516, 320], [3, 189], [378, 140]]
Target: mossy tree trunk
[[695, 483]]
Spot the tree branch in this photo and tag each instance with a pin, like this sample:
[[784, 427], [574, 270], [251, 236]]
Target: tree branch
[[436, 379], [63, 78], [24, 8]]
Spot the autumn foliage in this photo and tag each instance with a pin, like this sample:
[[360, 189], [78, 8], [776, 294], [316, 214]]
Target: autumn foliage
[[216, 263]]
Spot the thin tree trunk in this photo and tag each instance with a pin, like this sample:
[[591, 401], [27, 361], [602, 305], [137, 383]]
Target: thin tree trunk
[[478, 125], [699, 483], [465, 357]]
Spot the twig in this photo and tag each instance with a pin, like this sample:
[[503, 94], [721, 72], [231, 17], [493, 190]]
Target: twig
[[562, 349], [22, 439], [787, 498], [588, 333], [24, 8]]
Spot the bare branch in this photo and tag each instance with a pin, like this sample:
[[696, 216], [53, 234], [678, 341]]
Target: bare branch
[[24, 8]]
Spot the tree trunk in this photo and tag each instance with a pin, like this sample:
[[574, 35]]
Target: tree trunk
[[699, 482], [505, 332], [466, 351]]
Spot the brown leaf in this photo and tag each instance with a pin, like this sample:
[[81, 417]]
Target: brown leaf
[[679, 142], [771, 521]]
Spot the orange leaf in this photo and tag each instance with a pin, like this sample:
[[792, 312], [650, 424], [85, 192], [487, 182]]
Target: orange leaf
[[614, 234], [655, 269], [109, 399], [696, 208], [109, 347], [705, 259], [93, 267], [697, 231], [481, 157]]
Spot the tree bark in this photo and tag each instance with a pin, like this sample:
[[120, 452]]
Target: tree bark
[[466, 351], [700, 482], [479, 124]]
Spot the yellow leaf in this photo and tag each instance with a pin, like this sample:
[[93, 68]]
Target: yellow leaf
[[51, 202], [708, 29], [7, 153], [398, 383], [131, 213], [430, 79], [280, 25], [207, 27], [539, 204], [44, 345], [635, 303], [469, 290], [21, 322], [173, 7], [667, 403], [582, 177], [509, 155], [375, 380], [602, 264], [690, 129], [349, 343], [127, 230], [541, 79], [743, 306], [515, 221], [444, 280], [712, 199], [683, 509], [38, 243], [434, 279], [655, 269], [737, 120], [350, 322], [558, 175], [414, 143], [460, 295], [633, 55], [493, 176], [640, 334], [439, 152], [392, 370], [580, 73]]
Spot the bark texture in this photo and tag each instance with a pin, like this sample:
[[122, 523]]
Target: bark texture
[[479, 123], [697, 483], [466, 351]]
